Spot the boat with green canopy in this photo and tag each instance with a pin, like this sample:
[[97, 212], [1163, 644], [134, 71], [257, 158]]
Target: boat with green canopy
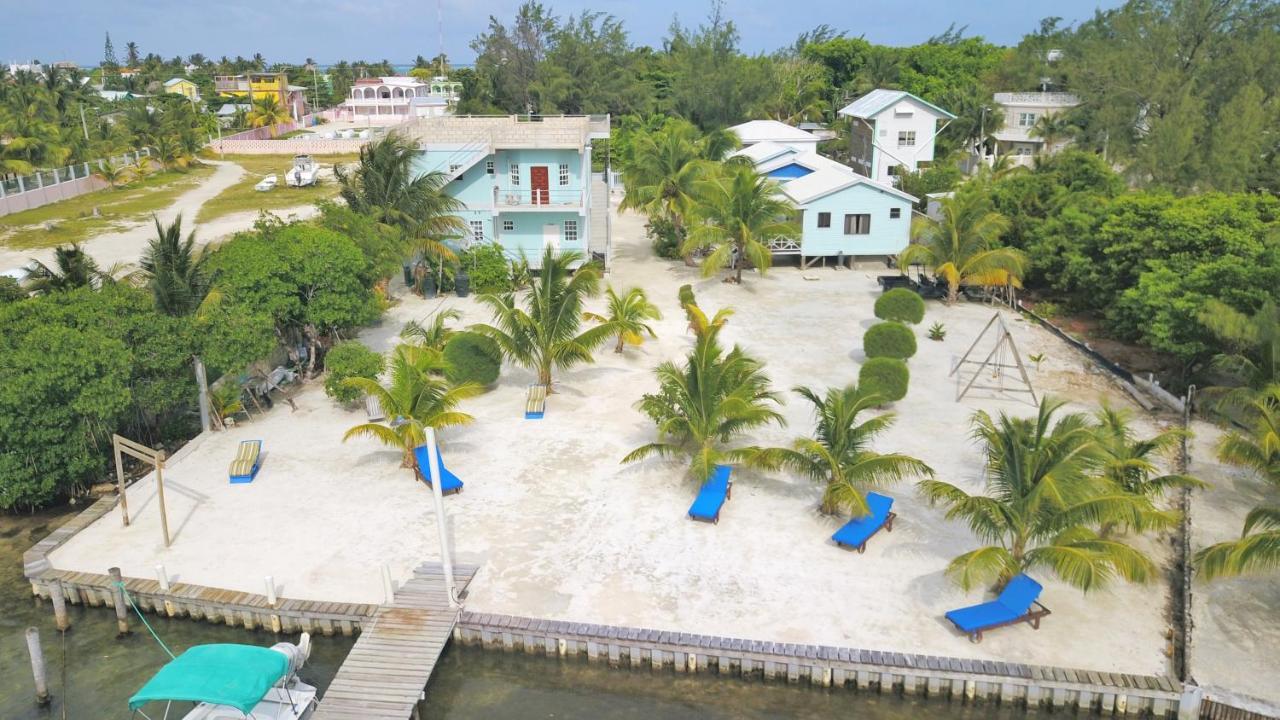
[[232, 682]]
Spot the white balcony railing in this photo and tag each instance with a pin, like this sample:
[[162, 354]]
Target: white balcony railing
[[529, 198]]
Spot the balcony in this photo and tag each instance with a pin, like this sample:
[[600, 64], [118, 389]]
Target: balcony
[[556, 199]]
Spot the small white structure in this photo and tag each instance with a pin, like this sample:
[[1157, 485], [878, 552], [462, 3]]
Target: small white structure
[[1022, 110], [267, 183], [772, 131], [892, 131], [303, 172]]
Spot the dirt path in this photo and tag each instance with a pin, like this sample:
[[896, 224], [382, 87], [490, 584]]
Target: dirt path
[[125, 246]]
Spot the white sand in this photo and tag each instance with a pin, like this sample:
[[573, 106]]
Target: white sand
[[563, 531]]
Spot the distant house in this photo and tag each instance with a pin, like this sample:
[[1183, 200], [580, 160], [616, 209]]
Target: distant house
[[183, 87], [393, 99], [892, 131], [760, 131], [841, 213], [117, 95], [254, 86], [527, 183], [1022, 110], [227, 113], [818, 130]]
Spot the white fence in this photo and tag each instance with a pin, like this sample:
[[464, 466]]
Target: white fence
[[24, 192]]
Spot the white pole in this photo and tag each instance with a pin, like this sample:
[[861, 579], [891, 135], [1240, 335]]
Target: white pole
[[433, 459], [271, 590], [163, 577]]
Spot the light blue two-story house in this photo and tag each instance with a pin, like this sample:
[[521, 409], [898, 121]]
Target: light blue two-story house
[[526, 182], [843, 215]]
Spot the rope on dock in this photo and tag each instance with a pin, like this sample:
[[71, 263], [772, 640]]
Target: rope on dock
[[145, 624]]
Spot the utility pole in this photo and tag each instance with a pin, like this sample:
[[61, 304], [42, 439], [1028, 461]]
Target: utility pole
[[84, 125]]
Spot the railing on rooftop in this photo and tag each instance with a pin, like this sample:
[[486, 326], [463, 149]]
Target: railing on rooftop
[[1059, 99]]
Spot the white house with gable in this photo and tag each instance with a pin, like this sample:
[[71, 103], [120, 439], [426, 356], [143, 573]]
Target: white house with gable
[[753, 132], [892, 130]]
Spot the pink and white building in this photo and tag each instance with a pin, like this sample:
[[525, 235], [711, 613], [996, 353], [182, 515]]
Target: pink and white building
[[392, 100]]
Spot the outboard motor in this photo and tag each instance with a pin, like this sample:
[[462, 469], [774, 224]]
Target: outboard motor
[[297, 654]]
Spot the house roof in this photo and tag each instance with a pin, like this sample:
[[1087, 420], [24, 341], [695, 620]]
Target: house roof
[[804, 190], [764, 151], [878, 100], [177, 81], [229, 109], [755, 131]]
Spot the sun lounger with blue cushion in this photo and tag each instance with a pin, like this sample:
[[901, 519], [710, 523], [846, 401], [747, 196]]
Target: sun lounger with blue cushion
[[858, 531], [248, 459], [536, 405], [1018, 602], [712, 496], [449, 483]]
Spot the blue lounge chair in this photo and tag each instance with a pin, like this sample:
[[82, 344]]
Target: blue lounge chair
[[712, 495], [858, 531], [248, 459], [449, 483], [1018, 602]]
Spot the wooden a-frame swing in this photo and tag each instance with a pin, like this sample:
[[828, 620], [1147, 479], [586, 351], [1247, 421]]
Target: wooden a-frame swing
[[996, 362]]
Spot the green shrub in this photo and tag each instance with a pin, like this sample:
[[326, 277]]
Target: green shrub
[[347, 360], [901, 304], [1047, 310], [938, 331], [472, 357], [686, 296], [666, 239], [11, 290], [886, 377], [488, 267], [889, 339]]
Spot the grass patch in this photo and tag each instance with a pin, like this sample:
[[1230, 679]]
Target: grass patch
[[74, 219], [241, 197]]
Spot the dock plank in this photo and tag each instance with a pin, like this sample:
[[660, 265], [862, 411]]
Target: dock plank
[[389, 666]]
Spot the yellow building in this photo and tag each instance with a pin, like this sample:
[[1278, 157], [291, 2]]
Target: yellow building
[[255, 86], [183, 87]]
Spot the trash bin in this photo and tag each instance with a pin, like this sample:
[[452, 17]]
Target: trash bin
[[428, 286], [462, 284], [408, 275]]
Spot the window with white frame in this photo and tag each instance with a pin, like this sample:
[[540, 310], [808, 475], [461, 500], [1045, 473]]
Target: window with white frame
[[859, 224], [570, 231], [508, 225], [1026, 120], [488, 166], [515, 173], [477, 231], [564, 174], [906, 138]]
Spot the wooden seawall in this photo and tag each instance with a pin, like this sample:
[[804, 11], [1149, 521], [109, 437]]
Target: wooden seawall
[[384, 676]]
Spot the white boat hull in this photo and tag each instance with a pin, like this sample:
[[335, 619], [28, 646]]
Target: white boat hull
[[293, 702]]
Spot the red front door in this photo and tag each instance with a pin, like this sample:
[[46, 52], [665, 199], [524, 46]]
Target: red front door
[[540, 181]]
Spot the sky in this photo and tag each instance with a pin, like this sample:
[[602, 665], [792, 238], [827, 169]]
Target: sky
[[399, 30]]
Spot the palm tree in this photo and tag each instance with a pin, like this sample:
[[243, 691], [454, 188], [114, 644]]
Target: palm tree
[[175, 269], [1258, 548], [702, 406], [267, 112], [113, 174], [1253, 359], [418, 397], [627, 315], [1052, 128], [72, 268], [662, 175], [431, 332], [739, 212], [386, 186], [1044, 501], [839, 455], [1129, 463], [962, 246], [544, 334], [131, 54]]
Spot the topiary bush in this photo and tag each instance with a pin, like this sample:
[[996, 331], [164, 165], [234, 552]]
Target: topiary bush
[[886, 377], [889, 339], [472, 357], [901, 304], [347, 360]]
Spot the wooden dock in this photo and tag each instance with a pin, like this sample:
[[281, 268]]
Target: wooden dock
[[384, 675]]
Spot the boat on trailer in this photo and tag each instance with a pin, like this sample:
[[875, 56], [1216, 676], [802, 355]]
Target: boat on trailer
[[232, 682]]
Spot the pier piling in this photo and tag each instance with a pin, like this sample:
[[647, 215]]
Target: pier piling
[[59, 600], [37, 666], [117, 596]]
